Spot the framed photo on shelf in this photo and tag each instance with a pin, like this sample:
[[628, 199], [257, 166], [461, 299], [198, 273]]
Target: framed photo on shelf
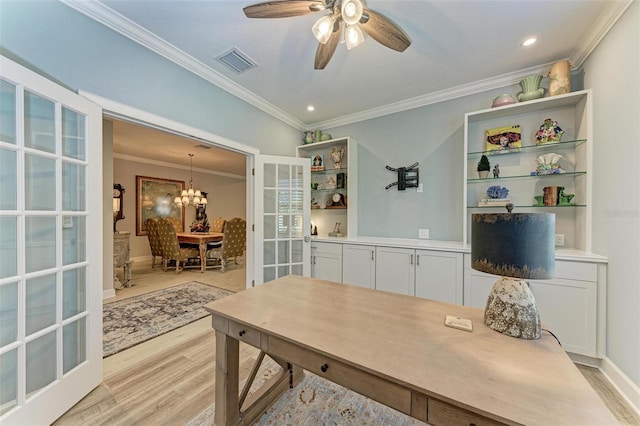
[[505, 138], [317, 162], [154, 199]]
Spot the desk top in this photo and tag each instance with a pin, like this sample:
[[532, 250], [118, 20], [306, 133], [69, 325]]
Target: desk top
[[403, 339]]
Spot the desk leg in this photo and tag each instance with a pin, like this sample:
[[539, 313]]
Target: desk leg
[[203, 258], [227, 411]]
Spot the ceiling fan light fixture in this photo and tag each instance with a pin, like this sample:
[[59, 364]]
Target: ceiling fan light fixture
[[353, 36], [351, 11], [323, 28]]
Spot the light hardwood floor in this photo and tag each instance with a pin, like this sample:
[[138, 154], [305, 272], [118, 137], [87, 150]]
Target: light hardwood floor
[[169, 380]]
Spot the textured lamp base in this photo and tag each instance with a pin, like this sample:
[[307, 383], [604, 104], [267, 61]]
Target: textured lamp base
[[511, 309]]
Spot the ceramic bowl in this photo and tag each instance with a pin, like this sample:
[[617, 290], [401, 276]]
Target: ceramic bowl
[[502, 100]]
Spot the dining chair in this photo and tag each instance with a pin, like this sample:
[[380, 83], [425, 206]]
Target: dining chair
[[171, 249], [218, 225], [233, 243], [151, 226]]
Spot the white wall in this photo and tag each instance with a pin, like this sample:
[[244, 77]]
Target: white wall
[[226, 196], [613, 72]]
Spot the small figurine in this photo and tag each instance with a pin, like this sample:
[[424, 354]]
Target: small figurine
[[337, 153], [496, 171]]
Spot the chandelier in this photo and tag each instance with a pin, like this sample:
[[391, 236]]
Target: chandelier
[[190, 196]]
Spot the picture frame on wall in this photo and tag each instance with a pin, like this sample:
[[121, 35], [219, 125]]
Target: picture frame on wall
[[154, 199]]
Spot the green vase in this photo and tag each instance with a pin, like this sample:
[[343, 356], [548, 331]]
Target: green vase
[[530, 88]]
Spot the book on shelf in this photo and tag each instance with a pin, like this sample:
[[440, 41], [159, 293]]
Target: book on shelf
[[493, 202]]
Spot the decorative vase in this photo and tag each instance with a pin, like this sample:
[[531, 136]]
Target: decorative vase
[[560, 78], [502, 100], [530, 88]]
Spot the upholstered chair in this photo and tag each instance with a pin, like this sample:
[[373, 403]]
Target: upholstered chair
[[217, 225], [233, 243], [151, 226], [171, 249]]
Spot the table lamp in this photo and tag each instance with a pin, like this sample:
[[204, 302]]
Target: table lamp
[[515, 246]]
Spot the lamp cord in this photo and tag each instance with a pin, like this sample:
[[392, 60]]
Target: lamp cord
[[554, 336]]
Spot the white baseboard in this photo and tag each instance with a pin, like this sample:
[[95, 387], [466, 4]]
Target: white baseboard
[[107, 294], [627, 389]]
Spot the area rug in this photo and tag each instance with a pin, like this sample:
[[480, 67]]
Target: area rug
[[316, 401], [131, 321]]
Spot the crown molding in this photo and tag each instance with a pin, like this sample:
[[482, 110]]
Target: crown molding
[[611, 12], [174, 166], [120, 24]]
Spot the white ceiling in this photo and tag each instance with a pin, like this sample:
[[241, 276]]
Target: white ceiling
[[458, 47]]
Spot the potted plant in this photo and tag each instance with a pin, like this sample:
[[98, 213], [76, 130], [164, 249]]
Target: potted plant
[[483, 167]]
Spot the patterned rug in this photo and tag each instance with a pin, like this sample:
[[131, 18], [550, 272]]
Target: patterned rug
[[316, 401], [129, 322]]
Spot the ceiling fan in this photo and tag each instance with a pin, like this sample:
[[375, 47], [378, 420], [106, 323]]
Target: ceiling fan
[[350, 15]]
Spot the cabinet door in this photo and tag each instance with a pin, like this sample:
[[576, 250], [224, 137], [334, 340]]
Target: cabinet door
[[326, 261], [439, 276], [568, 309], [358, 265], [395, 270]]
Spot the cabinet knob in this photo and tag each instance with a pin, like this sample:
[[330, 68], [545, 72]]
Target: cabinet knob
[[241, 333], [324, 367]]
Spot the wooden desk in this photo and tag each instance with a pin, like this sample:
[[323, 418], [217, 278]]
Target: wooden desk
[[396, 350], [201, 239]]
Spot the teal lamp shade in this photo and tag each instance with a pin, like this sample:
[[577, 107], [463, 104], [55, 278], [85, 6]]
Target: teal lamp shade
[[515, 246]]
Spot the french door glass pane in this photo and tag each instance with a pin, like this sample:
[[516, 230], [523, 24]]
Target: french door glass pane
[[269, 274], [297, 222], [283, 226], [40, 303], [73, 134], [8, 314], [74, 292], [39, 123], [283, 271], [7, 112], [283, 252], [73, 187], [269, 199], [40, 243], [296, 270], [74, 345], [74, 236], [269, 252], [8, 246], [296, 201], [41, 362], [269, 227], [8, 380], [269, 175], [284, 202], [284, 175], [40, 183], [296, 251], [8, 180]]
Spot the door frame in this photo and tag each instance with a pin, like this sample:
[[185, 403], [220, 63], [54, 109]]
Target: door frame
[[117, 110]]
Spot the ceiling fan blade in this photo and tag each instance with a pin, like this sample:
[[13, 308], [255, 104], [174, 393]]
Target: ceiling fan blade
[[325, 51], [384, 31], [283, 8]]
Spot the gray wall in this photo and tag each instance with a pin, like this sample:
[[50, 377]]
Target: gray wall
[[612, 72], [83, 54]]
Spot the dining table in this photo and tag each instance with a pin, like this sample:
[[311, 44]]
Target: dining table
[[202, 239]]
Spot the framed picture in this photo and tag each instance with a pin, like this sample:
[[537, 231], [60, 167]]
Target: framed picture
[[154, 198], [504, 138]]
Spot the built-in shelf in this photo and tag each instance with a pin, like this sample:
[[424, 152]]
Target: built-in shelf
[[553, 146], [529, 176]]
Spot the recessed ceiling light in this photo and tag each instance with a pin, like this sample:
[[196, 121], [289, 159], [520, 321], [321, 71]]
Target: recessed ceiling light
[[311, 108], [529, 41]]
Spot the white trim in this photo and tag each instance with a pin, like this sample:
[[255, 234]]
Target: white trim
[[128, 113], [108, 294], [121, 25], [629, 391], [610, 14], [612, 11], [174, 166]]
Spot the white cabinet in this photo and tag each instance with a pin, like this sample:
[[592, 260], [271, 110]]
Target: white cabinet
[[395, 270], [326, 261], [518, 165], [430, 274], [358, 265], [334, 185], [568, 303], [439, 276]]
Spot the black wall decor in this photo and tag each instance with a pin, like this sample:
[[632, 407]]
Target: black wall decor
[[408, 177]]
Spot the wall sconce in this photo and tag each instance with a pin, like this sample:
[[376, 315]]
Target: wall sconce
[[118, 206]]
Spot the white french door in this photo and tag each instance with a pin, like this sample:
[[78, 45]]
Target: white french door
[[282, 202], [50, 247]]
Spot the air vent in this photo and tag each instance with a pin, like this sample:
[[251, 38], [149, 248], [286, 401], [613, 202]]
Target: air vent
[[238, 61]]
